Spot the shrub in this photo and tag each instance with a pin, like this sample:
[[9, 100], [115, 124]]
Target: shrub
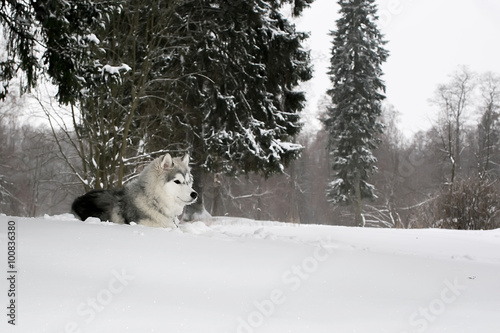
[[468, 204]]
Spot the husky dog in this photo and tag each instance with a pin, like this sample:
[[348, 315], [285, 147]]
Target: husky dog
[[155, 198]]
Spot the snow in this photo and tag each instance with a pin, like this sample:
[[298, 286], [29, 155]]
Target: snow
[[115, 70], [238, 275], [92, 38]]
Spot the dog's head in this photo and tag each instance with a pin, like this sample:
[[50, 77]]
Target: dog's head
[[178, 179]]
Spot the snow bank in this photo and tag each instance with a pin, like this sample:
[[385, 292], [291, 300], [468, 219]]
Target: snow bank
[[238, 275]]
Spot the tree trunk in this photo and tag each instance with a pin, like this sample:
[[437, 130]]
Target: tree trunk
[[357, 189], [217, 202]]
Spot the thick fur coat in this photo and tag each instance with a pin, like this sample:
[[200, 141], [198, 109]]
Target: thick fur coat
[[155, 198]]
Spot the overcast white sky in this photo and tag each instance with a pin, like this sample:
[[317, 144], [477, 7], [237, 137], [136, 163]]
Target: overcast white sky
[[427, 40]]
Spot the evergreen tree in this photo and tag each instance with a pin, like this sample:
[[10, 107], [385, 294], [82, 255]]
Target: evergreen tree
[[235, 95], [65, 31], [119, 112], [357, 91]]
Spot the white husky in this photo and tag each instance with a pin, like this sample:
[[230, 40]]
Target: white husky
[[155, 198]]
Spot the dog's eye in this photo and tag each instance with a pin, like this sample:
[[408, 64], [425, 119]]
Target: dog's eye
[[177, 181]]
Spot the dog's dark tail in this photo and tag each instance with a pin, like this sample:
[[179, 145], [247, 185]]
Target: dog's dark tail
[[97, 203]]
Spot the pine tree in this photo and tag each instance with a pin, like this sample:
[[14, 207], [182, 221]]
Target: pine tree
[[118, 111], [357, 91], [235, 94], [65, 31], [237, 84]]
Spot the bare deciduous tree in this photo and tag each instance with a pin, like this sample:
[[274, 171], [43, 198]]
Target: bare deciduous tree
[[453, 100]]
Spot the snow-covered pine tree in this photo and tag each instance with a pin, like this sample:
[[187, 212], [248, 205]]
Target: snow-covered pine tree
[[236, 94], [121, 96], [52, 37], [356, 94]]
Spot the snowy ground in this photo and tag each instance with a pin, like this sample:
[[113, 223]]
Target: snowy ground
[[242, 276]]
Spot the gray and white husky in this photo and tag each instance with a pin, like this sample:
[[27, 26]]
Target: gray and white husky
[[155, 198]]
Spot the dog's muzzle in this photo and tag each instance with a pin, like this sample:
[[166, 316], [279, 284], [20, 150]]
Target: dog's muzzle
[[193, 196]]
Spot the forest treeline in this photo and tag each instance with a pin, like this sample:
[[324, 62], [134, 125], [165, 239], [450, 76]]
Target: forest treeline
[[446, 176], [443, 177], [220, 80]]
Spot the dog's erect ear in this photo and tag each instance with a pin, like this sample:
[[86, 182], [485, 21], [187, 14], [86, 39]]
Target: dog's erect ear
[[185, 159], [166, 162]]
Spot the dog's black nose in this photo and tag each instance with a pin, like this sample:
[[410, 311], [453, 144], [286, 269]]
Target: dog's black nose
[[194, 195]]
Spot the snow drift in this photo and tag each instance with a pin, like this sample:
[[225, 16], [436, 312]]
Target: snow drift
[[242, 276]]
